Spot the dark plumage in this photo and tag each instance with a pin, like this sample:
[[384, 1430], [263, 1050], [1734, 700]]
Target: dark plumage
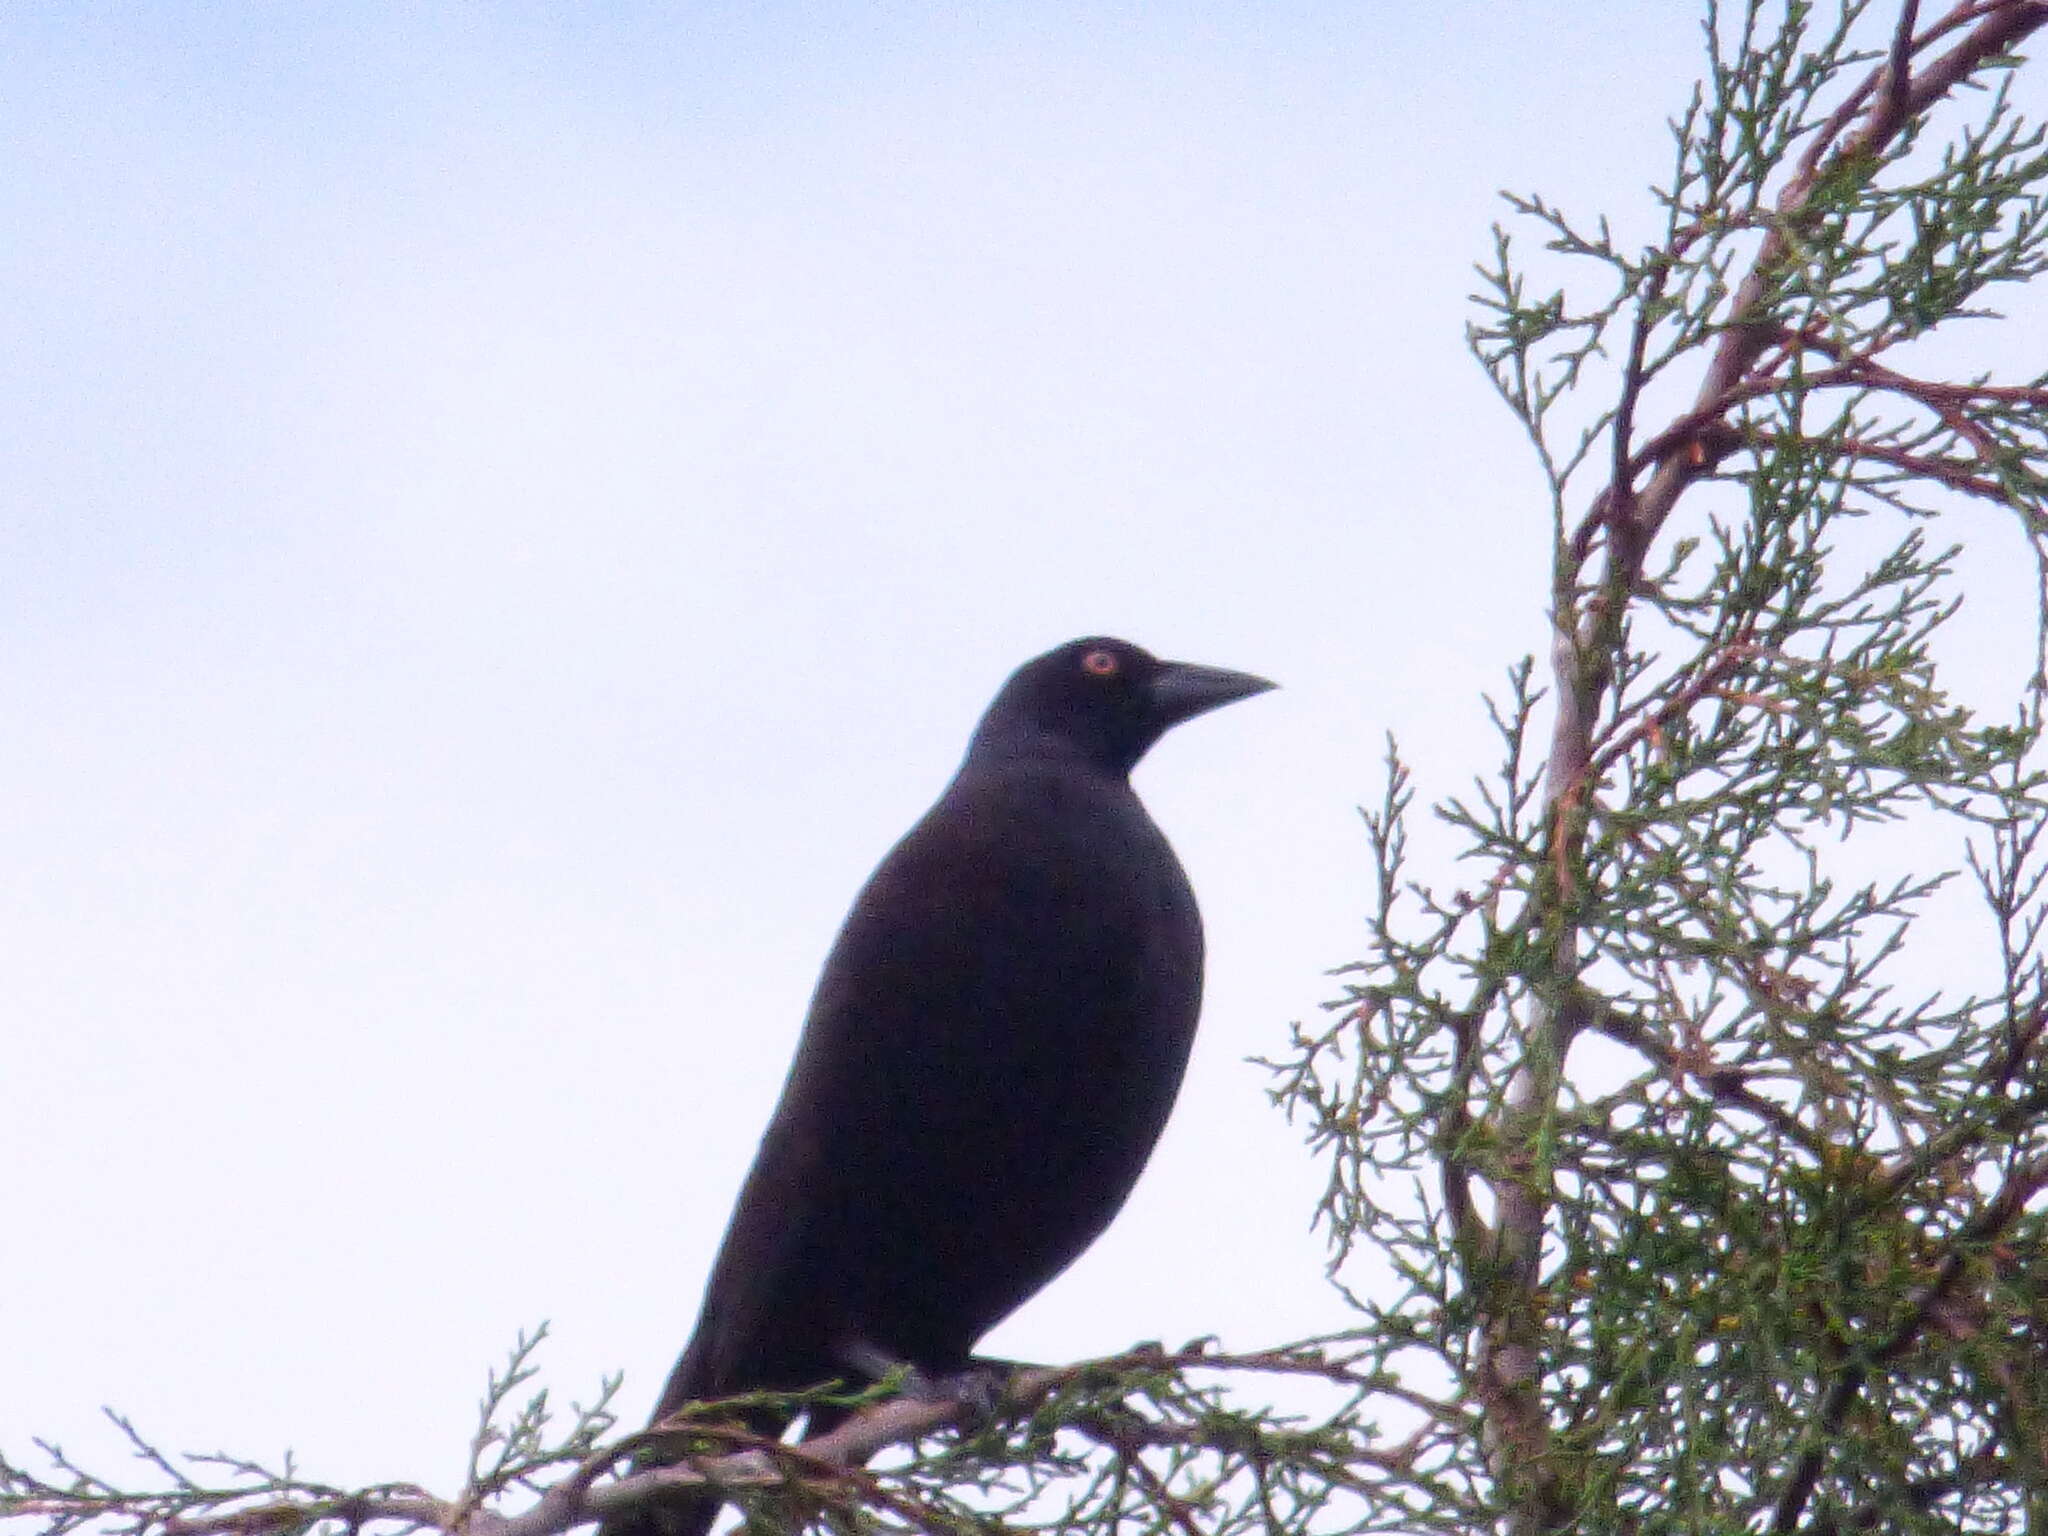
[[993, 1049]]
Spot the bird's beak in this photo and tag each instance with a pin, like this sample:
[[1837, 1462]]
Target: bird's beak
[[1181, 690]]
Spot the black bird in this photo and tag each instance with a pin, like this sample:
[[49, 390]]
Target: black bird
[[992, 1051]]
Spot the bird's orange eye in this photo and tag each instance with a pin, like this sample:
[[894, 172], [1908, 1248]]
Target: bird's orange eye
[[1099, 663]]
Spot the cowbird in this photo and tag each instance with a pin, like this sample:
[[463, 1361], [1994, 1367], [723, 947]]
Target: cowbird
[[991, 1053]]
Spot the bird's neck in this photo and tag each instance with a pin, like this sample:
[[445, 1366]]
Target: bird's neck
[[1022, 746]]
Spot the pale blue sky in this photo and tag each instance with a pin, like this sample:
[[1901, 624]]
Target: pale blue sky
[[507, 511]]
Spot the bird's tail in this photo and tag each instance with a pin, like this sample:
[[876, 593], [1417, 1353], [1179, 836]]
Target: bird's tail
[[686, 1512], [688, 1515]]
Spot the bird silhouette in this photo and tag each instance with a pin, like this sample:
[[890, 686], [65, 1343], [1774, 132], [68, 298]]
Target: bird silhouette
[[993, 1050]]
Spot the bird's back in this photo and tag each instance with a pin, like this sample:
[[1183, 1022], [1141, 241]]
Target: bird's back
[[994, 1047]]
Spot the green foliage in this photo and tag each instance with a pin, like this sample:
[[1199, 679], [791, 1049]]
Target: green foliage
[[1663, 1147]]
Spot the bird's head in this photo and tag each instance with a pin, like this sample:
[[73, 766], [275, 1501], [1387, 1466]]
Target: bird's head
[[1107, 699]]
